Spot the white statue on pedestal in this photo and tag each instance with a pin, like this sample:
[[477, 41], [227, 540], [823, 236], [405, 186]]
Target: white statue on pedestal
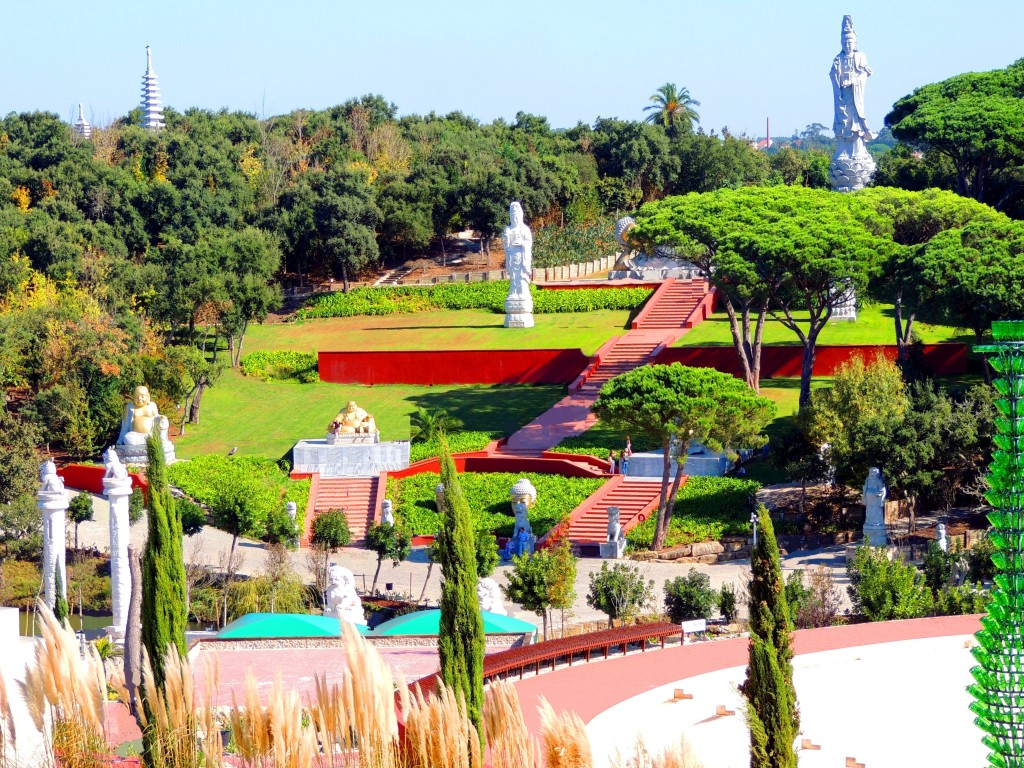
[[387, 512], [616, 544], [523, 496], [341, 597], [517, 239], [489, 594], [140, 415], [874, 509], [53, 502], [117, 487], [852, 165]]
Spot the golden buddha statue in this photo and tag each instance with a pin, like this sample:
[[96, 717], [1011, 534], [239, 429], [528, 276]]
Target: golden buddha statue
[[353, 420]]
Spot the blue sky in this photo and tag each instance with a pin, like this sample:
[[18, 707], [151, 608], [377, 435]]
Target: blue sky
[[568, 60]]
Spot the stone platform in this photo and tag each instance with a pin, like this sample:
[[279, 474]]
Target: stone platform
[[353, 459], [136, 455], [700, 462]]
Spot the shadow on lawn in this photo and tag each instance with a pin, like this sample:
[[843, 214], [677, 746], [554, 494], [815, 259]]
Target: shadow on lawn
[[501, 408]]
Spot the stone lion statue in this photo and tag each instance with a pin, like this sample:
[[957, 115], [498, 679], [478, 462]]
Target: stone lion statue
[[342, 600], [489, 593], [113, 465], [49, 478]]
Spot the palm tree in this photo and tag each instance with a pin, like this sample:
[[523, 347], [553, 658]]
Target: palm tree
[[673, 106], [428, 425]]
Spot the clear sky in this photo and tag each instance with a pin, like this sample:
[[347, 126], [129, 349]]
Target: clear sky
[[564, 59]]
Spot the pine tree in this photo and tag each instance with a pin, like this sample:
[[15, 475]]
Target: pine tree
[[461, 637], [772, 713], [163, 568], [60, 603]]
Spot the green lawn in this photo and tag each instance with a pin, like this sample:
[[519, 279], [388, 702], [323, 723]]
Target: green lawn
[[267, 418], [443, 329], [874, 325]]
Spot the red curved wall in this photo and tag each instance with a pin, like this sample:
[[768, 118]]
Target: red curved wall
[[89, 477], [467, 366], [776, 361]]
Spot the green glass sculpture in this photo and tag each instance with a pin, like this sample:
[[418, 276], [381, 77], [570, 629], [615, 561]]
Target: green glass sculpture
[[999, 677]]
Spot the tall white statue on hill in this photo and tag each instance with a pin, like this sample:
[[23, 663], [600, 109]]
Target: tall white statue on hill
[[852, 166], [517, 240]]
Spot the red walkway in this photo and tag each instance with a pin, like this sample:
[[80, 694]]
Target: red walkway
[[589, 689]]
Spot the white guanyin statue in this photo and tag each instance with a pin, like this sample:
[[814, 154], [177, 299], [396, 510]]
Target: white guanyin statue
[[342, 600], [517, 239]]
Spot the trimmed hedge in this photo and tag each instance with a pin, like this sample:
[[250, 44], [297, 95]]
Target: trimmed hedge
[[707, 508], [487, 493], [281, 366], [489, 296], [601, 440], [573, 244], [200, 477], [457, 442]]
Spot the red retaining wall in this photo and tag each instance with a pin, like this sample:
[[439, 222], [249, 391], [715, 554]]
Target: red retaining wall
[[778, 361], [89, 477], [481, 462], [466, 366]]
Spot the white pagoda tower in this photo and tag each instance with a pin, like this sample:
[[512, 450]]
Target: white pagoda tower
[[152, 108], [82, 127]]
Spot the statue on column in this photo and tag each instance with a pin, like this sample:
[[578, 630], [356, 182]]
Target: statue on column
[[874, 509], [517, 240], [117, 487], [852, 165], [53, 502]]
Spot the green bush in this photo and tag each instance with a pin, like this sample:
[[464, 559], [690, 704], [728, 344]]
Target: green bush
[[330, 530], [487, 493], [193, 517], [457, 442], [574, 243], [601, 440], [690, 597], [938, 566], [957, 601], [202, 478], [882, 589], [706, 509], [727, 602], [979, 560], [136, 506], [485, 295], [281, 366]]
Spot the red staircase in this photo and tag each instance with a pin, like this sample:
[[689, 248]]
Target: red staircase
[[356, 495], [626, 353], [672, 306], [588, 523]]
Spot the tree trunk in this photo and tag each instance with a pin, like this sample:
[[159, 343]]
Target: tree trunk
[[237, 359], [806, 371], [658, 541], [231, 348], [376, 573], [430, 568], [903, 332], [133, 635], [544, 619], [193, 411], [346, 287]]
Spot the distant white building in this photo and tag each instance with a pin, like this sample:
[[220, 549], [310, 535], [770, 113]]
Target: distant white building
[[762, 144], [81, 126], [152, 108]]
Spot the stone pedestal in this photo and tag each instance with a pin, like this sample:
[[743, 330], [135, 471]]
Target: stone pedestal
[[613, 549], [849, 173], [118, 491], [875, 535], [518, 312], [353, 438], [137, 456], [351, 459], [54, 506]]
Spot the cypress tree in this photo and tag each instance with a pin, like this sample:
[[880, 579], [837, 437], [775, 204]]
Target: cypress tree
[[772, 713], [461, 638], [60, 601], [163, 567]]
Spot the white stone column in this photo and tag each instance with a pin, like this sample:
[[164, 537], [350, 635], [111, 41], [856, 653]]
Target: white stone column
[[118, 490], [53, 502]]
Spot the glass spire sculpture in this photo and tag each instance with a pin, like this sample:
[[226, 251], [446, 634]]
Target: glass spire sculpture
[[998, 689]]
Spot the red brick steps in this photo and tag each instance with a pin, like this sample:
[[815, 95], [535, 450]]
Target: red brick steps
[[588, 523], [356, 495]]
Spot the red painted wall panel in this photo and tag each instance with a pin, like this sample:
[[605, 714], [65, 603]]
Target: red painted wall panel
[[776, 361], [87, 477], [467, 366]]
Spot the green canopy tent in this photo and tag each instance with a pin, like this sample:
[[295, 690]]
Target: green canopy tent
[[268, 625], [427, 623]]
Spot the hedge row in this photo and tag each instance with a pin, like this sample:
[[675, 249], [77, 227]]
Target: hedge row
[[200, 478], [601, 441], [573, 244], [281, 366], [706, 509], [489, 296], [457, 442], [487, 493]]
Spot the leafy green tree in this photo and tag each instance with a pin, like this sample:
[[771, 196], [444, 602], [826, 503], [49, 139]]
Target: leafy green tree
[[620, 592], [19, 461], [79, 511], [673, 107], [673, 406], [163, 614], [727, 602], [882, 589], [976, 120], [690, 597], [330, 532], [390, 542], [529, 584], [772, 714], [460, 641], [427, 425], [562, 578]]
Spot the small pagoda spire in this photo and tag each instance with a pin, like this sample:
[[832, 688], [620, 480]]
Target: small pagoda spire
[[81, 126], [152, 108]]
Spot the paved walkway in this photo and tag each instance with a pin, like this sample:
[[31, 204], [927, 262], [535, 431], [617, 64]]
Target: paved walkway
[[569, 417]]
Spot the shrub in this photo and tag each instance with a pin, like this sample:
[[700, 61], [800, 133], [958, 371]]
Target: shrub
[[957, 601], [486, 553], [690, 597], [574, 243], [458, 442], [938, 566], [882, 589], [816, 605], [706, 509], [619, 591], [727, 602], [330, 530], [281, 366], [487, 493], [193, 517], [979, 560], [487, 296]]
